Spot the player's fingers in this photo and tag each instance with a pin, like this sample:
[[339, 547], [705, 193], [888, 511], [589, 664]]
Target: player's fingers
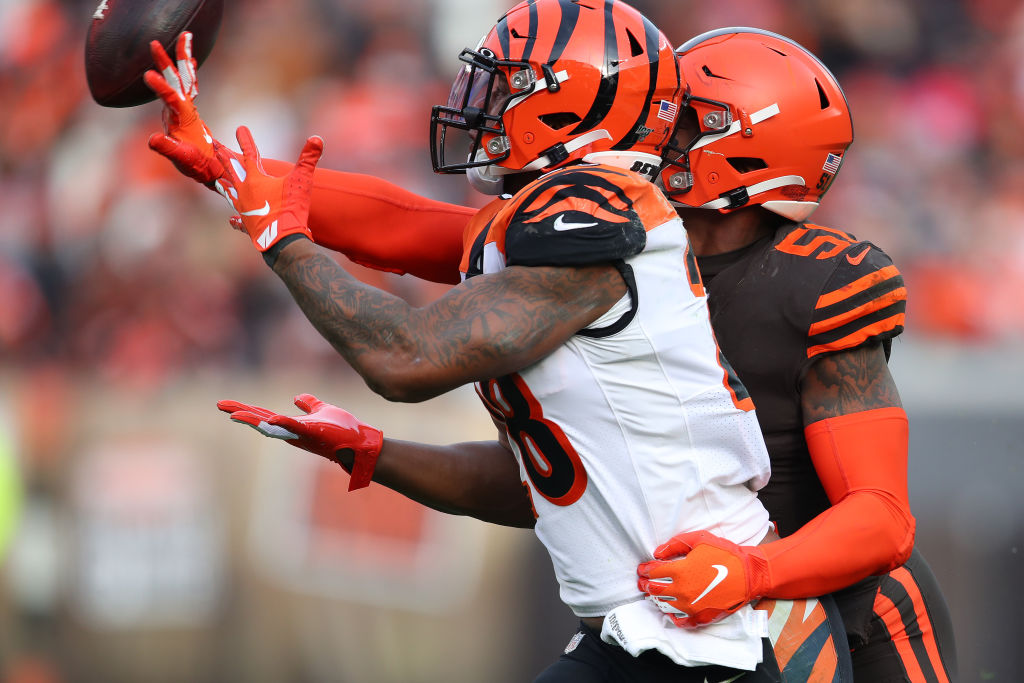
[[225, 189], [678, 545], [163, 144], [236, 223], [247, 144], [650, 570], [186, 72], [308, 402], [159, 85], [262, 426], [160, 57], [657, 588], [245, 417], [183, 47], [289, 424], [235, 406], [310, 155]]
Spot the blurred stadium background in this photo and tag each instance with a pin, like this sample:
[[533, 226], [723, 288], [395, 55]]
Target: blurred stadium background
[[143, 538]]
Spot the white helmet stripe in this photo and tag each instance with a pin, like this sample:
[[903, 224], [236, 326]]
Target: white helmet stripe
[[756, 189], [756, 117]]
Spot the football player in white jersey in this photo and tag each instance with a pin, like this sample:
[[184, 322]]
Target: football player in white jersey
[[583, 324]]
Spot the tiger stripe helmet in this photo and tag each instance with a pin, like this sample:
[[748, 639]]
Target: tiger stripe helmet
[[763, 122], [556, 81]]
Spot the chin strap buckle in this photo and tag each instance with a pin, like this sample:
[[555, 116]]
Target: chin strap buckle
[[736, 198]]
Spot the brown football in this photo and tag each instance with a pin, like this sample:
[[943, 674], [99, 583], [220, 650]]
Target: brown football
[[117, 45]]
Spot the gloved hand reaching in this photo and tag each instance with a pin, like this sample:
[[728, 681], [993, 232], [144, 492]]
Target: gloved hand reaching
[[186, 139], [269, 208], [324, 429]]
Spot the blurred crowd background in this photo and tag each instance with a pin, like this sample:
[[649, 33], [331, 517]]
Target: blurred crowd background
[[144, 538]]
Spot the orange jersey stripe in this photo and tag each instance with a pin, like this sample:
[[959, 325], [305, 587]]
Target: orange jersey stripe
[[890, 615], [905, 579], [876, 304], [857, 286], [858, 337], [824, 670]]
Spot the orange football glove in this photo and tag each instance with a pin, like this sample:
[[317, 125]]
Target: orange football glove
[[698, 578], [270, 208], [186, 140], [324, 430]]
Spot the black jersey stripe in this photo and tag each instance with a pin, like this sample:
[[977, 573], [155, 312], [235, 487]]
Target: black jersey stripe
[[882, 293], [652, 39], [849, 314], [861, 284], [879, 325], [609, 85]]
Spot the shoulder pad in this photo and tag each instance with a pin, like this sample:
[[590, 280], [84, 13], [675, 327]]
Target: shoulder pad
[[582, 215]]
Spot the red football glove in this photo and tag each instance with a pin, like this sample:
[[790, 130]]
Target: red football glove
[[324, 430], [186, 140], [699, 578], [269, 207]]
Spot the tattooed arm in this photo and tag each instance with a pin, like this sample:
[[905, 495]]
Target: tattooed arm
[[848, 382], [857, 436], [487, 327]]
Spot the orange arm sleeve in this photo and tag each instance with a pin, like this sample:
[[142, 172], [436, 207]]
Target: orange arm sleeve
[[382, 226], [861, 459]]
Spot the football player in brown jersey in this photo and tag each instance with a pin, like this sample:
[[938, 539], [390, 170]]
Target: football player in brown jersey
[[804, 313]]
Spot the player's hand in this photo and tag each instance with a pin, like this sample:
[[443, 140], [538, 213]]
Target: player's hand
[[269, 207], [186, 139], [698, 578], [324, 430]]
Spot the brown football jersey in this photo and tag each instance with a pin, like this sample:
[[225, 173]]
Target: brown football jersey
[[776, 307]]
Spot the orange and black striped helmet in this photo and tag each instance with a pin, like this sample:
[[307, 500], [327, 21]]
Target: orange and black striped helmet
[[557, 81], [763, 122]]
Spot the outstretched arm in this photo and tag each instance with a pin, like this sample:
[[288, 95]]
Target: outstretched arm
[[382, 226], [371, 221], [479, 479], [489, 326]]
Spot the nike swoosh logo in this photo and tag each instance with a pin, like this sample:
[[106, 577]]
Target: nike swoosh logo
[[561, 225], [855, 260], [726, 680], [258, 212], [723, 572]]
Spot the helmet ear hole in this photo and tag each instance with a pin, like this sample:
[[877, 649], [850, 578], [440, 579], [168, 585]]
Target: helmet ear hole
[[822, 97], [746, 164], [559, 120]]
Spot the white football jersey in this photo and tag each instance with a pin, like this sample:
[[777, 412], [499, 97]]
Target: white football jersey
[[635, 429]]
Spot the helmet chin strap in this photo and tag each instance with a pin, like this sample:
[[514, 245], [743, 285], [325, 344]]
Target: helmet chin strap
[[571, 146], [756, 189]]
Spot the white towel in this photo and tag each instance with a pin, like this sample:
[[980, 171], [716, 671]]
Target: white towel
[[734, 642]]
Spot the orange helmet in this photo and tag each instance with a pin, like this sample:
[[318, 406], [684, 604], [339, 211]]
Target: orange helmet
[[557, 81], [763, 122]]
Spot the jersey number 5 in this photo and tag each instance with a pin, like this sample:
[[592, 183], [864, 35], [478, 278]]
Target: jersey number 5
[[551, 462]]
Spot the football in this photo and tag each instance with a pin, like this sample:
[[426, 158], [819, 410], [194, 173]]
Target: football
[[117, 45]]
